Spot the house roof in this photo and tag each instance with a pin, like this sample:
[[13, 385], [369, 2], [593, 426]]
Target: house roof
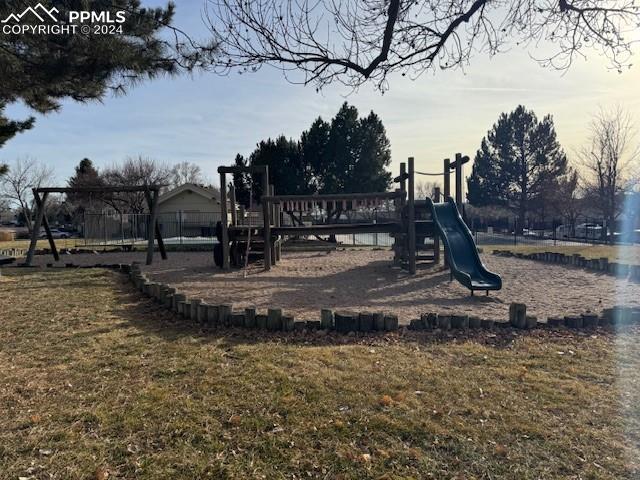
[[207, 193]]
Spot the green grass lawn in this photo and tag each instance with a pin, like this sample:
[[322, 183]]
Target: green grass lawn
[[615, 253], [96, 382]]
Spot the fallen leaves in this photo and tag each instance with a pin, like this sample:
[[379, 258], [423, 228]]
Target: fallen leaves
[[400, 397], [102, 473], [234, 420], [500, 450]]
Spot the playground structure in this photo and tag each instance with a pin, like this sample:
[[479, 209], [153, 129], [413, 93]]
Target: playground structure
[[415, 225], [151, 192], [266, 238]]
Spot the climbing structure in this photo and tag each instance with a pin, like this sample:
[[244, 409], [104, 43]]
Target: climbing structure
[[408, 221]]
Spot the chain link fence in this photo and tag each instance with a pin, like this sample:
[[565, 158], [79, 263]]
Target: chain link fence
[[190, 228], [555, 231], [177, 228]]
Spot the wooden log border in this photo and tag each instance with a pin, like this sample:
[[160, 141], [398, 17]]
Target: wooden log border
[[274, 319], [598, 265]]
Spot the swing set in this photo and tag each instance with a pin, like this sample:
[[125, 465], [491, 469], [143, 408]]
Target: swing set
[[151, 192]]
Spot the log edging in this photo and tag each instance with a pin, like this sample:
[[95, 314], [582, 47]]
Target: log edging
[[349, 322], [599, 265]]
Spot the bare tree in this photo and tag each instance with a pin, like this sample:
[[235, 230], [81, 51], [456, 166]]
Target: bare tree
[[5, 206], [355, 41], [17, 183], [609, 160], [186, 172], [134, 171], [425, 189]]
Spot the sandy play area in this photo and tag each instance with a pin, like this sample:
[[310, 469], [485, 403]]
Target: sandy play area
[[303, 283]]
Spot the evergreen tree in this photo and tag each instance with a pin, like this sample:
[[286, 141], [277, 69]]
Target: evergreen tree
[[288, 171], [241, 182], [516, 161], [10, 128], [41, 70], [86, 175], [369, 172], [342, 151], [314, 145], [348, 155]]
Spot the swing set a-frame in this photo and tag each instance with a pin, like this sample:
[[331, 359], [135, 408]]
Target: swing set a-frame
[[40, 195]]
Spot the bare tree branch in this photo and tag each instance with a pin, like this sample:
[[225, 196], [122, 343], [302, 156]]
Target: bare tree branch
[[16, 185], [354, 41], [608, 161]]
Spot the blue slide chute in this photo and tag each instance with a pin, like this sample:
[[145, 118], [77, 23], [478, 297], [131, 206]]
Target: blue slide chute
[[462, 252]]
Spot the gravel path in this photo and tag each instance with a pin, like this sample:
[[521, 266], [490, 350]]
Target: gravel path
[[303, 283]]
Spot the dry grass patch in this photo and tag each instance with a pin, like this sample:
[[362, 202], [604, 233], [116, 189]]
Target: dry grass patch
[[41, 244], [97, 383], [615, 253]]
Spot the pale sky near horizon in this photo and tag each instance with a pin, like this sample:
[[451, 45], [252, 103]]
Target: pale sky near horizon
[[207, 119]]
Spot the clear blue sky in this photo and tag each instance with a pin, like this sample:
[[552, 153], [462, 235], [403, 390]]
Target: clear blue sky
[[207, 119]]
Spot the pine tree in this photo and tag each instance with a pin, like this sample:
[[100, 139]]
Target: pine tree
[[314, 147], [342, 151], [241, 183], [516, 161], [369, 172], [86, 175], [41, 70], [347, 155]]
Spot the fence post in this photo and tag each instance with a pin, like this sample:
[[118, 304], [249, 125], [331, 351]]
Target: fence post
[[515, 231]]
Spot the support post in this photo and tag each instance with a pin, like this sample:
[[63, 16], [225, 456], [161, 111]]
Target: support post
[[224, 221], [45, 224], [277, 246], [266, 217], [436, 237], [447, 194], [35, 229], [153, 217], [403, 180], [411, 214], [447, 179], [156, 227], [163, 251], [458, 165], [232, 202], [403, 250]]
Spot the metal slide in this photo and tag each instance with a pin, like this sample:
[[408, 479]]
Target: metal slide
[[462, 252]]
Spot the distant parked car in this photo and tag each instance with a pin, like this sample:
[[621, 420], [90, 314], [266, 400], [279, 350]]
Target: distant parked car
[[55, 233], [582, 230], [531, 233]]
